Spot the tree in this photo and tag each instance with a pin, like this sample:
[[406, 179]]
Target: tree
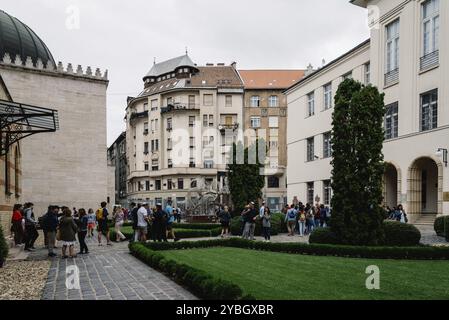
[[358, 167], [245, 178]]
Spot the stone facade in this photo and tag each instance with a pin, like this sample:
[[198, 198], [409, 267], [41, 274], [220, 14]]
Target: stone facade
[[68, 167], [117, 159], [403, 61]]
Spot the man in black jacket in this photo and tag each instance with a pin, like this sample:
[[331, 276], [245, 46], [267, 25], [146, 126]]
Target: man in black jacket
[[49, 226], [160, 224], [133, 214]]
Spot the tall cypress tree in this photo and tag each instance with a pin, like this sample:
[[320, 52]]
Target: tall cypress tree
[[245, 179], [358, 166]]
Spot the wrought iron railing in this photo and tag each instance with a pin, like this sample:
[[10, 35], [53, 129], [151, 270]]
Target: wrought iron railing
[[430, 60], [392, 77]]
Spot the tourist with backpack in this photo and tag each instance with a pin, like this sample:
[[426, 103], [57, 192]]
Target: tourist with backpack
[[91, 223], [67, 234], [310, 222], [302, 222], [103, 227], [290, 219]]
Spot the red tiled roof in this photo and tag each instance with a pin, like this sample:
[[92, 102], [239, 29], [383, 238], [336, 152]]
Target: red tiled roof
[[270, 79]]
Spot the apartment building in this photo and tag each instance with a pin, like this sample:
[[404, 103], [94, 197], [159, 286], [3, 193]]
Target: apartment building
[[406, 58], [180, 131], [265, 117]]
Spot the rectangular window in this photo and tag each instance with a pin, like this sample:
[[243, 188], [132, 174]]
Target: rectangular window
[[310, 192], [205, 120], [211, 120], [170, 163], [169, 124], [192, 142], [273, 102], [191, 121], [273, 122], [392, 121], [273, 182], [311, 104], [181, 184], [145, 107], [392, 52], [311, 149], [228, 102], [156, 145], [255, 102], [146, 166], [347, 76], [430, 34], [147, 185], [327, 192], [328, 96], [145, 128], [169, 184], [158, 185], [208, 164], [255, 122], [169, 101], [327, 146], [192, 101], [429, 110], [145, 148], [155, 165], [208, 99], [228, 121], [154, 104], [169, 144], [367, 73], [192, 163]]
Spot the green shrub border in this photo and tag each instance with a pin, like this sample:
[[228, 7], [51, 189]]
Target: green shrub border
[[198, 282], [3, 247], [397, 253], [438, 226], [446, 228], [180, 233]]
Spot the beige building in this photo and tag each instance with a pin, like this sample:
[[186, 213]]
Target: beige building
[[180, 130], [265, 113], [406, 58], [68, 167]]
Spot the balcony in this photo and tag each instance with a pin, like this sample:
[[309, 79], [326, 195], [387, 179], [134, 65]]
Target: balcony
[[224, 127], [138, 115], [392, 77], [180, 107], [430, 60]]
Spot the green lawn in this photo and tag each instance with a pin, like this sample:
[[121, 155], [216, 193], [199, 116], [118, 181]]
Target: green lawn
[[280, 276]]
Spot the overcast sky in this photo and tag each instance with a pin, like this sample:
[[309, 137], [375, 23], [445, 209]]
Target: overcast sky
[[125, 36]]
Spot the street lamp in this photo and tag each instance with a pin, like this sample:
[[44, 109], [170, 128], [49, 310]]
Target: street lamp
[[442, 153]]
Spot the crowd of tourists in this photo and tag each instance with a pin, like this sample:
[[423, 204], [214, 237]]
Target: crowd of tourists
[[72, 226], [299, 218], [157, 222], [397, 214]]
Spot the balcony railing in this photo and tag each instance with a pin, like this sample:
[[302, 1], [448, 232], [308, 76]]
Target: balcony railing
[[138, 115], [430, 60], [224, 127], [392, 77], [180, 106]]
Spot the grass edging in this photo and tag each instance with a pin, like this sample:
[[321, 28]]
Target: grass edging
[[200, 283], [398, 253]]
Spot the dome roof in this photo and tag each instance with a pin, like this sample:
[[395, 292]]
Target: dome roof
[[16, 38]]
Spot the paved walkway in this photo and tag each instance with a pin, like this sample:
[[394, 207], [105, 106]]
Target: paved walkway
[[109, 273]]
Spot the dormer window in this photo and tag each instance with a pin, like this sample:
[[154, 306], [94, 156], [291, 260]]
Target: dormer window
[[186, 70]]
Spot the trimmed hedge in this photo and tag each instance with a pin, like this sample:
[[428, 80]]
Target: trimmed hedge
[[399, 253], [3, 248], [277, 225], [197, 226], [446, 228], [198, 282], [180, 233], [396, 235], [401, 234], [438, 226]]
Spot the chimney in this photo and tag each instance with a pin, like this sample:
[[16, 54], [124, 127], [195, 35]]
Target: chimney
[[234, 65], [220, 64], [209, 64]]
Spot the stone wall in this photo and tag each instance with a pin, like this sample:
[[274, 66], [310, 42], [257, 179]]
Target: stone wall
[[68, 167]]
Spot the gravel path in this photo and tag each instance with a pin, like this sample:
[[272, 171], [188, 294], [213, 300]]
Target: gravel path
[[23, 280]]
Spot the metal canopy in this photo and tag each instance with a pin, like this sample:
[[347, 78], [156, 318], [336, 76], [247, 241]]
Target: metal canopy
[[18, 121]]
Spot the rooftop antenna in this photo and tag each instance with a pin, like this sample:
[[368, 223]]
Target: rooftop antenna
[[154, 61], [187, 51]]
